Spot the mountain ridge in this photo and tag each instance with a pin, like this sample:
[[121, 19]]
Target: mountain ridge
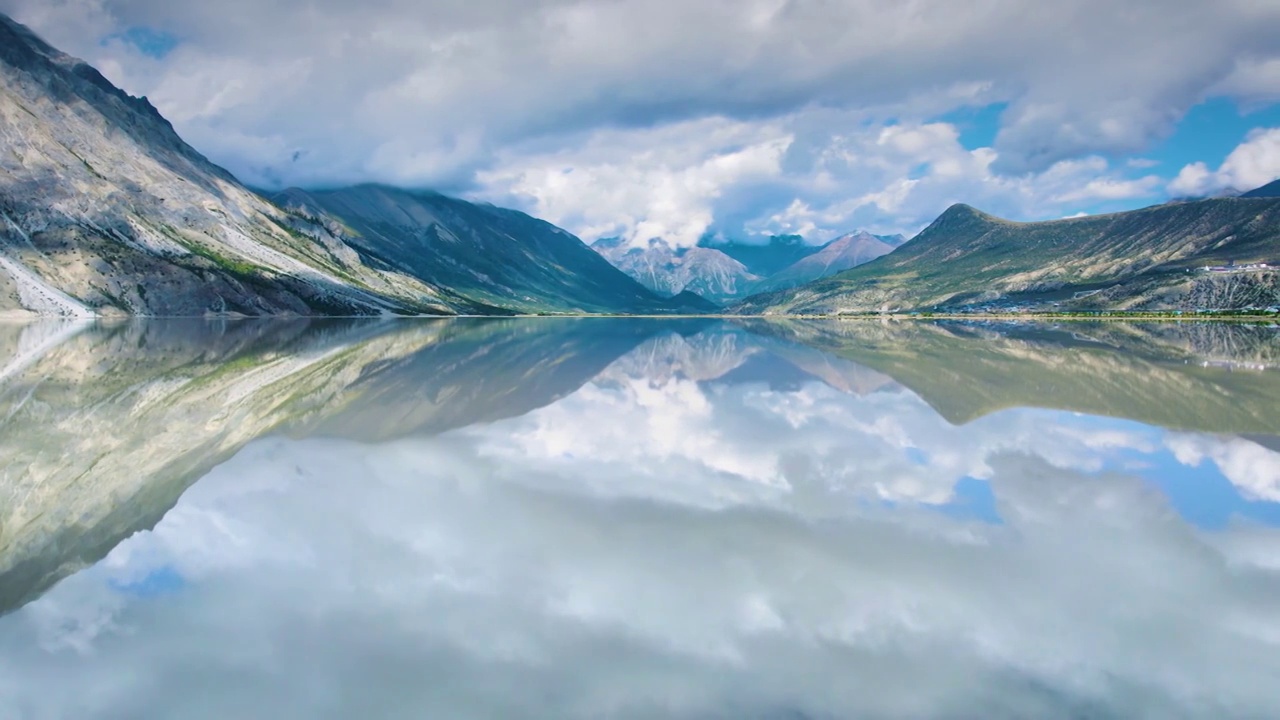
[[107, 211], [666, 270], [716, 272], [764, 259], [1160, 258], [491, 255]]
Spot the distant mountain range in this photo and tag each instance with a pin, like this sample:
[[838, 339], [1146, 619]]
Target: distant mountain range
[[667, 270], [1217, 253], [104, 210], [725, 272]]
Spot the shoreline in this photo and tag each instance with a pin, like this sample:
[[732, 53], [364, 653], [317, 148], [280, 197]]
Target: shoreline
[[1209, 316]]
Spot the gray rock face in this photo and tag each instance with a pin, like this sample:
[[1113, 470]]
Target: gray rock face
[[668, 271], [104, 210], [768, 258]]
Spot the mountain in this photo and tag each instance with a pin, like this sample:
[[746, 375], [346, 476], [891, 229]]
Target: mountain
[[1171, 257], [104, 210], [1270, 190], [843, 253], [765, 259], [490, 255], [720, 272], [668, 271]]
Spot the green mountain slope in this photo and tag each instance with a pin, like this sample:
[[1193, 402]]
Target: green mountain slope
[[491, 255], [1149, 259]]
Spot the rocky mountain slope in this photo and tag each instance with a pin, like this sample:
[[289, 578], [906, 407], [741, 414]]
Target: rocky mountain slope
[[492, 256], [667, 271], [104, 210], [1187, 256]]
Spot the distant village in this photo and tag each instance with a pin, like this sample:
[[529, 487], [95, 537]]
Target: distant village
[[1231, 266]]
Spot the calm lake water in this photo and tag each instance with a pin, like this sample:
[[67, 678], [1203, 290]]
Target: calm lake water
[[595, 518]]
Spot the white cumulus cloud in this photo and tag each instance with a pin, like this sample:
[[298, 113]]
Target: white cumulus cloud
[[1254, 162]]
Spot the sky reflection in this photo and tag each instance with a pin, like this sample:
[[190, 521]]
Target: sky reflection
[[706, 523]]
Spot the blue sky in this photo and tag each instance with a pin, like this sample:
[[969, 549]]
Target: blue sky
[[150, 42], [1208, 133], [671, 118]]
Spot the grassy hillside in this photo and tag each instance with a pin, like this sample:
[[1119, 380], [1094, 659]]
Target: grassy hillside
[[1149, 259]]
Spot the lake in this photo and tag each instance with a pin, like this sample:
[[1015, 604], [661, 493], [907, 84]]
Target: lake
[[633, 518]]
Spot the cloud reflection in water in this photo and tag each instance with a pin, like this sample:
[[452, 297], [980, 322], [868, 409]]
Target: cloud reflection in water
[[663, 542]]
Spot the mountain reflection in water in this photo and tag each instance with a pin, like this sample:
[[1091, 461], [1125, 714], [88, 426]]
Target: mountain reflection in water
[[636, 518]]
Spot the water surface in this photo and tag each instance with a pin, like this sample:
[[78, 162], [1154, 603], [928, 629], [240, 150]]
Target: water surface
[[585, 518]]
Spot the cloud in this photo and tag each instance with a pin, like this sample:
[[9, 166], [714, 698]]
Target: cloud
[[898, 177], [1111, 189], [716, 445], [1254, 163], [1252, 468], [832, 170], [1254, 80], [454, 582], [486, 97], [642, 184]]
